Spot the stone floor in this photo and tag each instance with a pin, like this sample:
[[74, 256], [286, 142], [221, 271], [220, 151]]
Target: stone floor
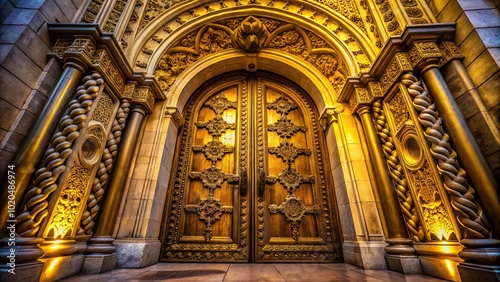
[[249, 272]]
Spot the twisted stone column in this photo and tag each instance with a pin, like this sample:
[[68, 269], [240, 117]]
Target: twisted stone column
[[399, 247]]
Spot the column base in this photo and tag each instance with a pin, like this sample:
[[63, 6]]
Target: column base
[[57, 268], [24, 272], [475, 272], [137, 252], [403, 264], [366, 255], [440, 267], [98, 263]]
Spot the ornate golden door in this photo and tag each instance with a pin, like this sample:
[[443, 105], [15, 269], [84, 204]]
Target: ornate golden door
[[250, 181]]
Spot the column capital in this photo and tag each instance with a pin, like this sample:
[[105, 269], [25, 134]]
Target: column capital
[[425, 55], [330, 115], [450, 52]]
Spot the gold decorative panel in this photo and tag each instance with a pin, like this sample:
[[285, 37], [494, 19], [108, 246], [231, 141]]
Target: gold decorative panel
[[269, 33]]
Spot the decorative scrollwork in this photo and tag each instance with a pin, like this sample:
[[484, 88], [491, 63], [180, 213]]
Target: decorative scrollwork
[[282, 105], [291, 179], [285, 128], [288, 152], [219, 103], [398, 176], [213, 177], [294, 210], [217, 126], [53, 164], [213, 150], [468, 211], [209, 211]]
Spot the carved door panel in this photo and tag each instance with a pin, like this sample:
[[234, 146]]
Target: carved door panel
[[249, 183]]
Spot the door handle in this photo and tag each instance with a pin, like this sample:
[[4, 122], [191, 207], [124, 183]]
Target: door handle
[[243, 181], [262, 181]]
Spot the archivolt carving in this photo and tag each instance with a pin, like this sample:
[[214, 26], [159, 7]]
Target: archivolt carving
[[398, 176], [390, 20], [104, 170], [468, 211], [53, 163], [253, 32]]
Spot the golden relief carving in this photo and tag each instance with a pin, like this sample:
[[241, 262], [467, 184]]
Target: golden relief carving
[[294, 210], [64, 220], [60, 148], [398, 65], [330, 115], [436, 217], [114, 16], [406, 201], [103, 110], [391, 22], [421, 51], [145, 97], [109, 69], [92, 11], [231, 33], [250, 35], [450, 52], [60, 46], [209, 210], [467, 210], [398, 109]]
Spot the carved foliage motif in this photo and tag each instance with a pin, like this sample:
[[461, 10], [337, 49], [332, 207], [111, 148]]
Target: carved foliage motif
[[92, 11], [390, 19], [64, 220], [114, 16], [250, 34], [399, 111], [437, 220], [104, 109]]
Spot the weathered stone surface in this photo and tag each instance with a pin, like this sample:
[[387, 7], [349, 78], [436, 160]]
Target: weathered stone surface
[[438, 267], [404, 264], [26, 272], [12, 89], [29, 73], [135, 253], [61, 267], [98, 263]]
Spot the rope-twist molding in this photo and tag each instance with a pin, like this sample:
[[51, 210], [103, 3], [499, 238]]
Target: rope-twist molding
[[105, 166], [468, 211], [53, 162], [397, 174]]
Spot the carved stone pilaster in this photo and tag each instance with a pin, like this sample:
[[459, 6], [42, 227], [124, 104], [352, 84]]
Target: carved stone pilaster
[[330, 115]]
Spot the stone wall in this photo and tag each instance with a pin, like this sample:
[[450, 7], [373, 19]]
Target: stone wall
[[27, 74], [478, 37]]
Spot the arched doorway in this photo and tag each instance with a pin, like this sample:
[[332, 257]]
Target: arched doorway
[[250, 182]]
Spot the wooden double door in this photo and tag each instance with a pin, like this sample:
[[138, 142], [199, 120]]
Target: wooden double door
[[250, 180]]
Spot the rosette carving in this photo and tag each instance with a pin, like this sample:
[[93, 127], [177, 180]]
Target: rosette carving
[[468, 211], [53, 162], [398, 176], [105, 167]]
